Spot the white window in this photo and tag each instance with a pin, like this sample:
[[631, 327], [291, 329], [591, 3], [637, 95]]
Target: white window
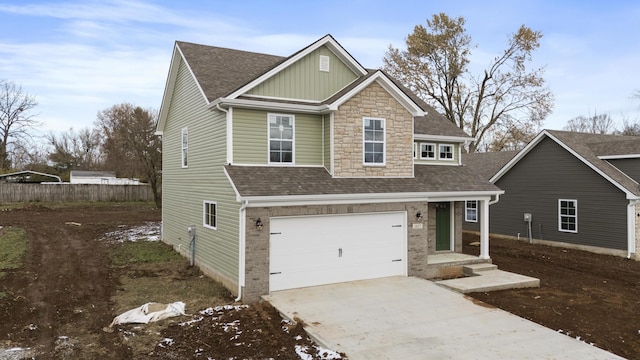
[[185, 147], [280, 139], [210, 214], [471, 211], [427, 151], [445, 152], [568, 215], [415, 150], [373, 141]]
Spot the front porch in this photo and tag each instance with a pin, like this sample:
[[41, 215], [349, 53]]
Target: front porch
[[449, 265]]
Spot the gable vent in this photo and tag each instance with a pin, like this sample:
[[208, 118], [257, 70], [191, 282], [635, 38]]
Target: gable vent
[[324, 63]]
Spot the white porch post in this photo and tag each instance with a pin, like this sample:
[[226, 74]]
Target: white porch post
[[484, 229]]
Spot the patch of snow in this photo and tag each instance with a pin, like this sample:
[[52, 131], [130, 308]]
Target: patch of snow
[[166, 341], [298, 337], [191, 321], [148, 232], [302, 352]]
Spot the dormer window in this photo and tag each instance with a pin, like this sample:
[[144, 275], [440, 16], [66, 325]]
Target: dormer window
[[427, 151], [373, 141], [280, 139], [445, 152]]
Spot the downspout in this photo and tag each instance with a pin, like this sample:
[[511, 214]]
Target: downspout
[[229, 134], [631, 227], [241, 244]]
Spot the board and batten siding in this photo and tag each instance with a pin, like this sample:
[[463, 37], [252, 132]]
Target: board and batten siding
[[631, 167], [548, 173], [185, 189], [293, 82], [251, 143]]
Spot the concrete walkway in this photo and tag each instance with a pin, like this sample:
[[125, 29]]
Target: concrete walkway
[[411, 318], [487, 277]]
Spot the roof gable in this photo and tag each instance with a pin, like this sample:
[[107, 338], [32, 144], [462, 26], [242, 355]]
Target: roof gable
[[293, 81], [577, 144], [327, 41]]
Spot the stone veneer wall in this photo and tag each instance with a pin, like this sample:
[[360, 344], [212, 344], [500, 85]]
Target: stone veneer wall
[[373, 102]]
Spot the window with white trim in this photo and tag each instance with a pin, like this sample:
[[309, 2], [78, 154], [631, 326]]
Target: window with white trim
[[427, 151], [185, 147], [210, 214], [445, 152], [373, 141], [415, 150], [568, 215], [281, 139], [471, 211]]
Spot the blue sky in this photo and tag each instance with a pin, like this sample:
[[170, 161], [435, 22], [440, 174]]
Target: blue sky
[[81, 56]]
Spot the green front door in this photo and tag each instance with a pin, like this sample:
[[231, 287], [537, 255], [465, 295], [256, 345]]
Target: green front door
[[443, 227]]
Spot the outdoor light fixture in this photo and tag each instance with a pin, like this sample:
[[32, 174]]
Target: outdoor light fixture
[[259, 224], [419, 215]]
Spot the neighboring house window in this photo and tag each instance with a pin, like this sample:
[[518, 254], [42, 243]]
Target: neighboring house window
[[471, 211], [374, 134], [446, 152], [415, 150], [568, 215], [280, 139], [427, 151], [210, 214], [185, 146]]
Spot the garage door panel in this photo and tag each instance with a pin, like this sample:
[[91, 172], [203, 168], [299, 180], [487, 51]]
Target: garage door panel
[[317, 250]]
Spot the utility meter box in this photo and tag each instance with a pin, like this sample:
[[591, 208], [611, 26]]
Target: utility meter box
[[528, 217]]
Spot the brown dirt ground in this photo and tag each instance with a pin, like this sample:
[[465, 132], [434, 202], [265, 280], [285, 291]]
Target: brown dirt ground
[[63, 297], [593, 297]]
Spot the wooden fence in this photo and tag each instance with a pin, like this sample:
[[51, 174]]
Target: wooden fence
[[65, 192]]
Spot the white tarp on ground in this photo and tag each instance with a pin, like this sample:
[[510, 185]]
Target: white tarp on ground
[[150, 312]]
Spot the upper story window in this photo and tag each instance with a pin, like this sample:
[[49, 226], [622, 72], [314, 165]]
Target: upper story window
[[471, 211], [185, 147], [281, 138], [568, 215], [427, 151], [415, 150], [373, 141], [445, 152], [210, 214]]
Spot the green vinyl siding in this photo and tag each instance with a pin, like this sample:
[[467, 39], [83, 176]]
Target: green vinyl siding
[[185, 189], [456, 153], [250, 139], [327, 142], [304, 80]]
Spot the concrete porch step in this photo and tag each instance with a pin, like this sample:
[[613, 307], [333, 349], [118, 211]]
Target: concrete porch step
[[475, 269], [490, 280]]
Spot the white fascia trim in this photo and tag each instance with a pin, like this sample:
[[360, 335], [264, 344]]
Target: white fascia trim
[[297, 200], [327, 40], [613, 157], [233, 186], [281, 98], [266, 105], [518, 156], [421, 137], [388, 85], [536, 140], [171, 81]]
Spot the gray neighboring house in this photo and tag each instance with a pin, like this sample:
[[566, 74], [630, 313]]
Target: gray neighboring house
[[581, 191], [309, 169]]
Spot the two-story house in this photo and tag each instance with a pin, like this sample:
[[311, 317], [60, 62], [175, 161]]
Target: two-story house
[[309, 169]]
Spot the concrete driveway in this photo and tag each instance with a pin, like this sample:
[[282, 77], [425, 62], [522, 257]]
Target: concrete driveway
[[411, 318]]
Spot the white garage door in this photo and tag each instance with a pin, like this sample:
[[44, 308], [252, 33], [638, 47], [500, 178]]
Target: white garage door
[[317, 250]]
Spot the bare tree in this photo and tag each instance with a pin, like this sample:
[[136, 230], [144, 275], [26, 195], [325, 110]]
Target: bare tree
[[75, 150], [593, 124], [16, 119], [631, 128], [130, 145], [506, 95]]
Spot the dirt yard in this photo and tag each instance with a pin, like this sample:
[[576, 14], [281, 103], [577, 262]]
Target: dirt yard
[[73, 280]]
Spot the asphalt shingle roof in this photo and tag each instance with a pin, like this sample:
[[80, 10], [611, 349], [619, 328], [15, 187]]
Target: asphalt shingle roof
[[284, 181], [487, 164]]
